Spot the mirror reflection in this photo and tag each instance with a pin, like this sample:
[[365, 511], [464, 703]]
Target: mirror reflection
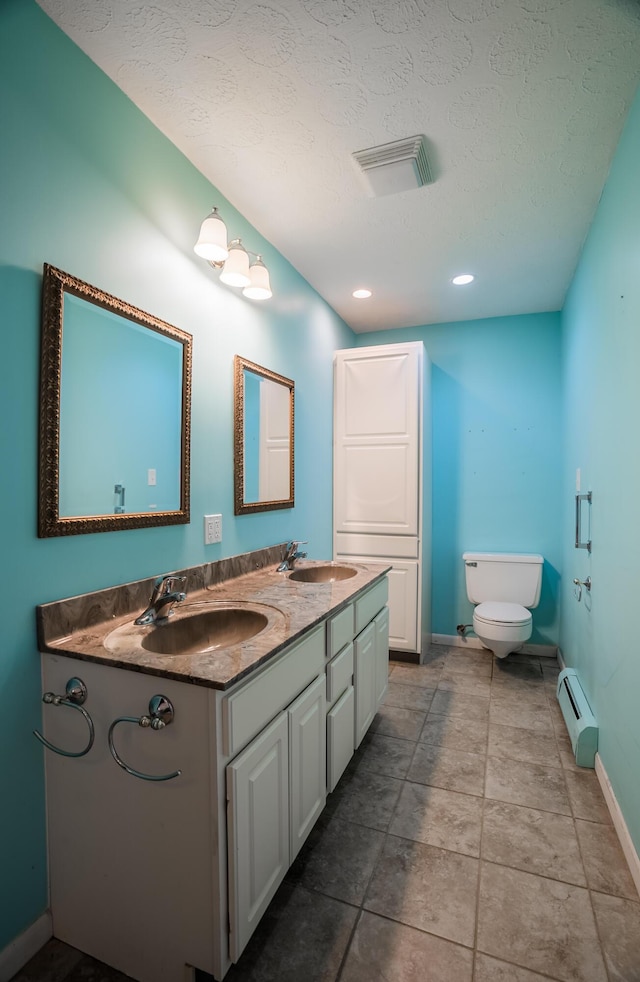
[[114, 413], [263, 438]]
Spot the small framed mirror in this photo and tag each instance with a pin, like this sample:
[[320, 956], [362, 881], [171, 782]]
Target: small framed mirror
[[262, 439], [115, 402]]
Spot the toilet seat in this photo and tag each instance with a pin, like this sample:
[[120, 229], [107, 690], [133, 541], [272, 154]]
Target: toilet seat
[[495, 612]]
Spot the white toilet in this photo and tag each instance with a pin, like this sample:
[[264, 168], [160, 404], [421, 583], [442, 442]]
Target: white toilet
[[503, 585]]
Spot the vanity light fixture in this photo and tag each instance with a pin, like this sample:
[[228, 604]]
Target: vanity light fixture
[[232, 259], [361, 294], [463, 279]]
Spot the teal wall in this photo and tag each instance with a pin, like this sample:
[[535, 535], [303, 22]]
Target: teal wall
[[90, 186], [601, 329], [497, 453]]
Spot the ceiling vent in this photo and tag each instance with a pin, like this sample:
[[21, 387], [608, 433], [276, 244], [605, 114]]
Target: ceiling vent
[[392, 167]]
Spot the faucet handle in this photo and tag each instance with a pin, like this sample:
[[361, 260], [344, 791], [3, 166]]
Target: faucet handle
[[166, 584]]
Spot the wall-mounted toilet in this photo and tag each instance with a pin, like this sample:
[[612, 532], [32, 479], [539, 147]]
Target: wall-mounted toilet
[[505, 586]]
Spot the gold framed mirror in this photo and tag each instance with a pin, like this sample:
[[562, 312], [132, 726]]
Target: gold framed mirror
[[115, 413], [262, 439]]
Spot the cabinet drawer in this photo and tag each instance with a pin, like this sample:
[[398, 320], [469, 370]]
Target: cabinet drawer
[[340, 631], [339, 673], [368, 605], [248, 710]]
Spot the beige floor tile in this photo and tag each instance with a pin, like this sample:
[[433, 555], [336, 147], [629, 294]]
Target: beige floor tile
[[303, 935], [585, 795], [470, 661], [454, 702], [491, 970], [513, 712], [524, 668], [619, 926], [423, 675], [455, 770], [606, 868], [427, 888], [368, 799], [512, 694], [456, 733], [532, 840], [385, 755], [54, 962], [471, 673], [532, 785], [409, 696], [567, 758], [338, 859], [457, 680], [447, 819], [383, 950], [517, 743], [404, 724], [539, 924]]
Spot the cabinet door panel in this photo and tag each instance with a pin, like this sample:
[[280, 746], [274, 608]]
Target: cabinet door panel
[[258, 829], [340, 737], [377, 428], [381, 624], [308, 761], [365, 681], [404, 627]]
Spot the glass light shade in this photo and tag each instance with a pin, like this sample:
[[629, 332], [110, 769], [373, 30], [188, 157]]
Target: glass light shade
[[212, 241], [463, 279], [235, 271], [259, 288]]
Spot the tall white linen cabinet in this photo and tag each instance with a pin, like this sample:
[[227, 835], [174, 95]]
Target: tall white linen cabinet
[[382, 478]]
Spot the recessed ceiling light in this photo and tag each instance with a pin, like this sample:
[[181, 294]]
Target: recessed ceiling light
[[463, 279], [361, 294]]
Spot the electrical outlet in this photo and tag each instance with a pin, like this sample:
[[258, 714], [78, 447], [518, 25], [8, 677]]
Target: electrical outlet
[[212, 529]]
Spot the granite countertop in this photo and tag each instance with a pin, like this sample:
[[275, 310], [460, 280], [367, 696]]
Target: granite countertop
[[91, 628]]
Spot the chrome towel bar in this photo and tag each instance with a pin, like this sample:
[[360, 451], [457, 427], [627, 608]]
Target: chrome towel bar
[[160, 715], [75, 695]]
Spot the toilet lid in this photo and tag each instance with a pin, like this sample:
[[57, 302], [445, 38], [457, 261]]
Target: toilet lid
[[494, 612]]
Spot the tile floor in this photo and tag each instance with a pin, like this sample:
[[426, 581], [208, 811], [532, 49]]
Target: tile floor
[[462, 845]]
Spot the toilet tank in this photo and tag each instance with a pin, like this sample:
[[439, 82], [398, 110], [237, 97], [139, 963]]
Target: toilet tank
[[513, 578]]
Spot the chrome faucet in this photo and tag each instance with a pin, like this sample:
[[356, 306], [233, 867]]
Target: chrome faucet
[[163, 597], [291, 555]]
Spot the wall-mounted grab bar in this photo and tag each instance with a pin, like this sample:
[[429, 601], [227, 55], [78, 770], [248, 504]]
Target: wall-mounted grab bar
[[579, 543], [75, 695], [160, 715]]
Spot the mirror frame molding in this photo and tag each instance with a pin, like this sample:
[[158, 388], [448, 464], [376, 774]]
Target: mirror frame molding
[[240, 506], [54, 286]]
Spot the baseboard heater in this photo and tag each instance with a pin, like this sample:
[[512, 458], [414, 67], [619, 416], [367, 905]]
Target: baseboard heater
[[580, 721]]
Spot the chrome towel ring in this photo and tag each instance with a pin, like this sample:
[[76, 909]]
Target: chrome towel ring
[[75, 695], [161, 714]]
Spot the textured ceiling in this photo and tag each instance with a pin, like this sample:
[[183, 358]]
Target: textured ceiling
[[522, 103]]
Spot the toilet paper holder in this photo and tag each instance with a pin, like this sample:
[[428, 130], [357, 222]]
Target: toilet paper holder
[[582, 583]]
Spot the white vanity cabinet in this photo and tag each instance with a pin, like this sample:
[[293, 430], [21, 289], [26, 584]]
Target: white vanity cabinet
[[152, 875]]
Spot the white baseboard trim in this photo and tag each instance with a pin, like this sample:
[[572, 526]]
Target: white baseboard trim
[[628, 848], [456, 640], [18, 952]]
